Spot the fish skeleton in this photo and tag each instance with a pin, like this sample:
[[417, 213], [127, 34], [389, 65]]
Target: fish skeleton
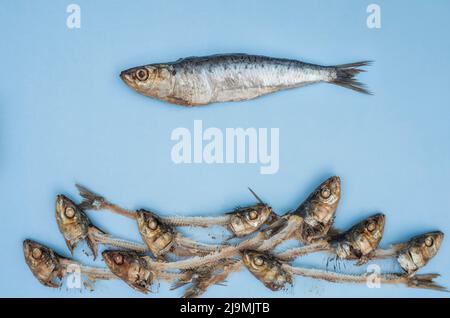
[[415, 253], [275, 274], [200, 279], [135, 270], [357, 243], [195, 81], [50, 268], [75, 226], [240, 222]]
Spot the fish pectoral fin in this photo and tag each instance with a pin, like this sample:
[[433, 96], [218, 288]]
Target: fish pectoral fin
[[275, 227], [92, 241], [362, 260], [70, 245], [51, 283], [333, 232], [180, 101]]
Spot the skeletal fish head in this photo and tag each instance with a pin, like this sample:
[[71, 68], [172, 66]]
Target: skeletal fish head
[[72, 221], [157, 235], [319, 209], [361, 239], [267, 269], [419, 250], [247, 220], [131, 267], [154, 80], [43, 263]]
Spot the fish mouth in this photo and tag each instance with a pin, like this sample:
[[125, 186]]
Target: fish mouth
[[107, 257], [127, 77], [380, 217], [26, 243], [29, 244], [123, 75], [335, 180]]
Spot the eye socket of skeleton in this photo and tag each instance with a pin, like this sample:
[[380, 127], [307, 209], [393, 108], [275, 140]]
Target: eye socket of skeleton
[[36, 253], [258, 261], [69, 212], [152, 223], [371, 225], [429, 241], [118, 259], [252, 215], [326, 194]]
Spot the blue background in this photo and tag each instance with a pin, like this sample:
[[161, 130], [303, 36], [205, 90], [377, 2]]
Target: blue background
[[66, 117]]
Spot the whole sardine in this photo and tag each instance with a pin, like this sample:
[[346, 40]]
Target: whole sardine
[[198, 81]]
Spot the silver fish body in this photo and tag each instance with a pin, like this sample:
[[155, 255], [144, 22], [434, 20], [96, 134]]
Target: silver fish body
[[197, 81]]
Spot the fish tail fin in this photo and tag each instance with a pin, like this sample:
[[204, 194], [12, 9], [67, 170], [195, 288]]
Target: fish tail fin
[[346, 76], [91, 200], [425, 281]]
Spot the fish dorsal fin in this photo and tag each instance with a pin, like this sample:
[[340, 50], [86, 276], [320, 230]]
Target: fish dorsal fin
[[256, 196], [334, 232]]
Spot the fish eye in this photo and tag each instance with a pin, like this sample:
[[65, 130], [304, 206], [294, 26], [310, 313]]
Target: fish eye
[[118, 259], [69, 212], [253, 215], [152, 224], [371, 226], [36, 253], [325, 193], [258, 261], [429, 241], [142, 74]]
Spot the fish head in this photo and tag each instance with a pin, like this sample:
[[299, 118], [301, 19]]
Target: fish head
[[365, 236], [319, 209], [155, 80], [328, 192], [267, 269], [72, 222], [43, 263], [419, 250], [247, 220], [157, 235], [131, 267]]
